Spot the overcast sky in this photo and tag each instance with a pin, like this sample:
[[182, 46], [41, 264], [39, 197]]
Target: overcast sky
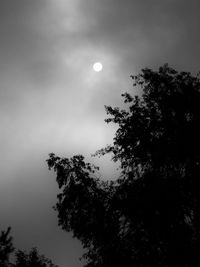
[[51, 100]]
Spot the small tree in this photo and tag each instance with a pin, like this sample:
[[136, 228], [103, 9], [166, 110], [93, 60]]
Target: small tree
[[6, 247], [150, 215], [32, 259]]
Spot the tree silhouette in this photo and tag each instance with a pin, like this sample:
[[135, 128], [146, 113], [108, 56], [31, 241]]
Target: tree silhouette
[[22, 258], [32, 259], [150, 215], [6, 247]]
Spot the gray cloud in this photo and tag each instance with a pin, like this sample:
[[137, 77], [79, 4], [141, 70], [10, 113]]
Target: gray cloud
[[145, 31]]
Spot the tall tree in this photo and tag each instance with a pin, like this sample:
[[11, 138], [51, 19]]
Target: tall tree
[[150, 215]]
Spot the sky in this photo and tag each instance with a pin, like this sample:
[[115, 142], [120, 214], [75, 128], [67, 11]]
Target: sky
[[51, 99]]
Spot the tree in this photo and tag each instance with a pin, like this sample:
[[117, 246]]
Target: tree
[[32, 259], [6, 247], [22, 258], [150, 215]]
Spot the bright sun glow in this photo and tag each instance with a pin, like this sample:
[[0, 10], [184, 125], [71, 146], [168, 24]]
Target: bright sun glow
[[97, 66]]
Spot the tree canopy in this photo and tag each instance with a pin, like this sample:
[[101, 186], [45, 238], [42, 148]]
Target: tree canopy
[[149, 216]]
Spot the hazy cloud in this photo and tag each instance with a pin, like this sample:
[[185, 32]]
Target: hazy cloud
[[52, 101]]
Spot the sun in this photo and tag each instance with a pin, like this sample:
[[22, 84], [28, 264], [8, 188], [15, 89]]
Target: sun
[[98, 66]]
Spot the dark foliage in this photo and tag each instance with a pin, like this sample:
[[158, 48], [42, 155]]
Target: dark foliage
[[6, 247], [22, 258], [150, 216], [32, 259]]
